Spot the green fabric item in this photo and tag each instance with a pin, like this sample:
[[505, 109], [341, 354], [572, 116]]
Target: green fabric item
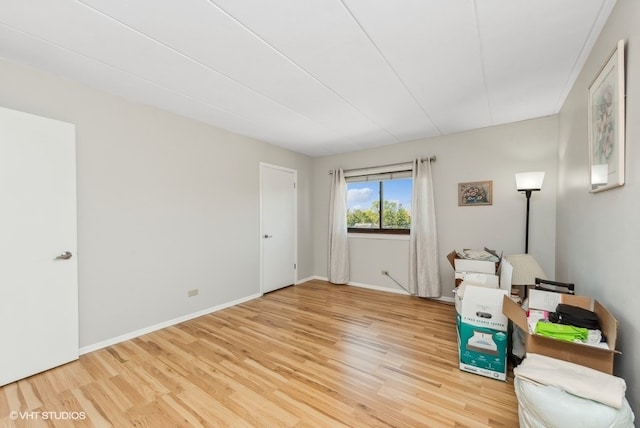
[[568, 333]]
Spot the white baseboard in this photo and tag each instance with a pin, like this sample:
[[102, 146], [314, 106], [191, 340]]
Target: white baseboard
[[378, 288], [369, 286], [165, 324], [389, 290], [309, 278]]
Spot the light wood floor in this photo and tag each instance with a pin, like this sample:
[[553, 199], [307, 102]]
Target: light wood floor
[[311, 355]]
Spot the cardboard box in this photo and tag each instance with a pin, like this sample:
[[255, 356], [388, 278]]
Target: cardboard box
[[480, 271], [506, 274], [482, 331], [483, 279], [467, 265], [478, 266], [578, 353]]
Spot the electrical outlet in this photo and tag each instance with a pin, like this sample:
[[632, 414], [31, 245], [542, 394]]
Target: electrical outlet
[[384, 272], [193, 292]]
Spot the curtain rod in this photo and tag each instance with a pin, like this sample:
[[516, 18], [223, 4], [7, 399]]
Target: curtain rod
[[430, 159]]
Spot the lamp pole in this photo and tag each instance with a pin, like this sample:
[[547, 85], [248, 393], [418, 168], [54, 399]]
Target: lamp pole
[[528, 182], [526, 231]]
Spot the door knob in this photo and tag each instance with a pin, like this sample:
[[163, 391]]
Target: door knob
[[64, 256], [268, 236]]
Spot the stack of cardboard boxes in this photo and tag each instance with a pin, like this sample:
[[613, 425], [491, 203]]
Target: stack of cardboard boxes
[[481, 325], [482, 331], [484, 308]]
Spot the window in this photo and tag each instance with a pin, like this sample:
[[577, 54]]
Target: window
[[377, 204]]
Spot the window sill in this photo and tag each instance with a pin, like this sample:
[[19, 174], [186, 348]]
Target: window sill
[[380, 236]]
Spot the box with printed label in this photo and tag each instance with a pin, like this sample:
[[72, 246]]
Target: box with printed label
[[482, 331], [599, 357]]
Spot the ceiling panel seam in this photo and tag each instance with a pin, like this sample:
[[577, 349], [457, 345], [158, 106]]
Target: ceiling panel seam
[[391, 67], [205, 66], [482, 62], [302, 69], [97, 61], [317, 76]]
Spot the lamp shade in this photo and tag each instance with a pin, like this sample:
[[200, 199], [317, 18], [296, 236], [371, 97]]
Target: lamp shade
[[525, 269], [529, 180]]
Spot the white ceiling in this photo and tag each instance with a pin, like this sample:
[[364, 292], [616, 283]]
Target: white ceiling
[[317, 76]]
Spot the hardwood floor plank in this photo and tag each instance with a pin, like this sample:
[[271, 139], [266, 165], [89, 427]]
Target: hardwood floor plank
[[42, 387], [189, 418], [96, 365], [12, 399], [215, 413], [311, 355], [309, 416]]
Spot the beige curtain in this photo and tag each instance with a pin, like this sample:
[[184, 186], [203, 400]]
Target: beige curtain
[[338, 246], [424, 271]]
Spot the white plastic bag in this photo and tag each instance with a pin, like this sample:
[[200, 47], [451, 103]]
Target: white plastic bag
[[542, 406]]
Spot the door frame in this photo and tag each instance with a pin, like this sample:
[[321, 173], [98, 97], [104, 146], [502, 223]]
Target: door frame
[[295, 221]]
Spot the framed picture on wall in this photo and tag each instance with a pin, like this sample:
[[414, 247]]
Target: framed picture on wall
[[475, 193], [607, 124]]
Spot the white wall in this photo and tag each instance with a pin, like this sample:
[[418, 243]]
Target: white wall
[[598, 234], [165, 204], [495, 153]]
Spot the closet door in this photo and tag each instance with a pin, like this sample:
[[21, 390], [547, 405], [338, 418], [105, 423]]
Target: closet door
[[38, 264], [278, 226]]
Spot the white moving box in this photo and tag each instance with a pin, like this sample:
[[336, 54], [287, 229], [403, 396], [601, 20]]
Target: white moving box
[[482, 331], [481, 270], [479, 266]]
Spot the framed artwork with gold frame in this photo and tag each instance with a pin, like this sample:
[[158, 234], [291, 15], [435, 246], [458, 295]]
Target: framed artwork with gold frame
[[475, 193]]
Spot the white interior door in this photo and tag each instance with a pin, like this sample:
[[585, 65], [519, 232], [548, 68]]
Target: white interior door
[[278, 227], [38, 267]]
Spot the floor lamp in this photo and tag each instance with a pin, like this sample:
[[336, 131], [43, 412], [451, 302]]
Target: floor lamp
[[528, 182]]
